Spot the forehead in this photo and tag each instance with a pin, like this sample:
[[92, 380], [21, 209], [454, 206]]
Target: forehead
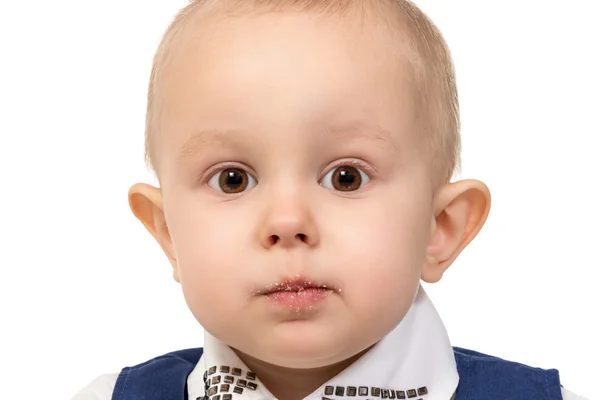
[[277, 71]]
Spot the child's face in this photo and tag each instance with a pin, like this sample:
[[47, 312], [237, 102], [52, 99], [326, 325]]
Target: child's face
[[290, 151]]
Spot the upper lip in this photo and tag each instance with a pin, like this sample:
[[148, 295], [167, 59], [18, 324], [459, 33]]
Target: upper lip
[[293, 285]]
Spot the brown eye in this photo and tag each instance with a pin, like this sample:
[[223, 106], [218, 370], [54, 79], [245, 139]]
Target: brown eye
[[232, 181], [345, 178]]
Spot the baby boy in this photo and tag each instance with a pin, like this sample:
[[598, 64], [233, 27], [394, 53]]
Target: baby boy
[[305, 150]]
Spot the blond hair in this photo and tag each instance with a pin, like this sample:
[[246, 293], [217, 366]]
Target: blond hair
[[434, 69]]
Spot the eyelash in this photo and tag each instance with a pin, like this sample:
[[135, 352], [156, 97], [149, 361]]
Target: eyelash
[[222, 167], [351, 163]]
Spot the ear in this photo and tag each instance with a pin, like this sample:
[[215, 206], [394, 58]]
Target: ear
[[146, 203], [460, 211]]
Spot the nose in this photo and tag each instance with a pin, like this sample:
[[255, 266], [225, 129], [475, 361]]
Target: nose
[[288, 223]]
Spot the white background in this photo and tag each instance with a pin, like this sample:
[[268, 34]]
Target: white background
[[85, 290]]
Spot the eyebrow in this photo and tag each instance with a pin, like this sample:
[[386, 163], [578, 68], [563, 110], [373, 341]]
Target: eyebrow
[[232, 138], [361, 130], [206, 138]]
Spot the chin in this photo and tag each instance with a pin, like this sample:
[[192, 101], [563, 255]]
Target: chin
[[300, 347]]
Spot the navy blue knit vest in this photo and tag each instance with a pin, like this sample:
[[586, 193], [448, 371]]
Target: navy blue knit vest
[[482, 377]]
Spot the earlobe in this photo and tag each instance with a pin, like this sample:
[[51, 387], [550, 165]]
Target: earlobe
[[461, 209], [146, 204]]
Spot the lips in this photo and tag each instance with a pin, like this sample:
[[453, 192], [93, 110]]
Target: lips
[[293, 286], [297, 294]]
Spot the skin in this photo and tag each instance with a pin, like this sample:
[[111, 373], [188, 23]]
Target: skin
[[289, 98]]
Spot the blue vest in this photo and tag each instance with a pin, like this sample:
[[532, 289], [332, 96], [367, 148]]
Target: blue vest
[[482, 377]]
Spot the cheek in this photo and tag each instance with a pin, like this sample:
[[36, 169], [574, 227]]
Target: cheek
[[209, 238], [210, 249], [382, 249]]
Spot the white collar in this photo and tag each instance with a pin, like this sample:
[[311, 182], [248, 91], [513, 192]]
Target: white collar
[[417, 354]]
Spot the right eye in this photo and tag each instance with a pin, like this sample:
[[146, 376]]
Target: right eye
[[232, 181]]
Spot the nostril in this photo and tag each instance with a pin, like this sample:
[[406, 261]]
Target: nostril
[[274, 239]]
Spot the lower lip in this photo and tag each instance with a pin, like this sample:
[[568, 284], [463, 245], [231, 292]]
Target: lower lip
[[304, 298]]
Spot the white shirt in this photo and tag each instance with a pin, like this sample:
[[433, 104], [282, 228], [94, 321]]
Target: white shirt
[[415, 358]]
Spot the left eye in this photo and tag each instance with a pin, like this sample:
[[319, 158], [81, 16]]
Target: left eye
[[345, 178], [232, 181]]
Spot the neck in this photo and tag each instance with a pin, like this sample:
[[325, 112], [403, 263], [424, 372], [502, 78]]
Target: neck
[[293, 384]]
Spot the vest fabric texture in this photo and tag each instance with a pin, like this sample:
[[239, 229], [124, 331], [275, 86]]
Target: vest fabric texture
[[482, 377]]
